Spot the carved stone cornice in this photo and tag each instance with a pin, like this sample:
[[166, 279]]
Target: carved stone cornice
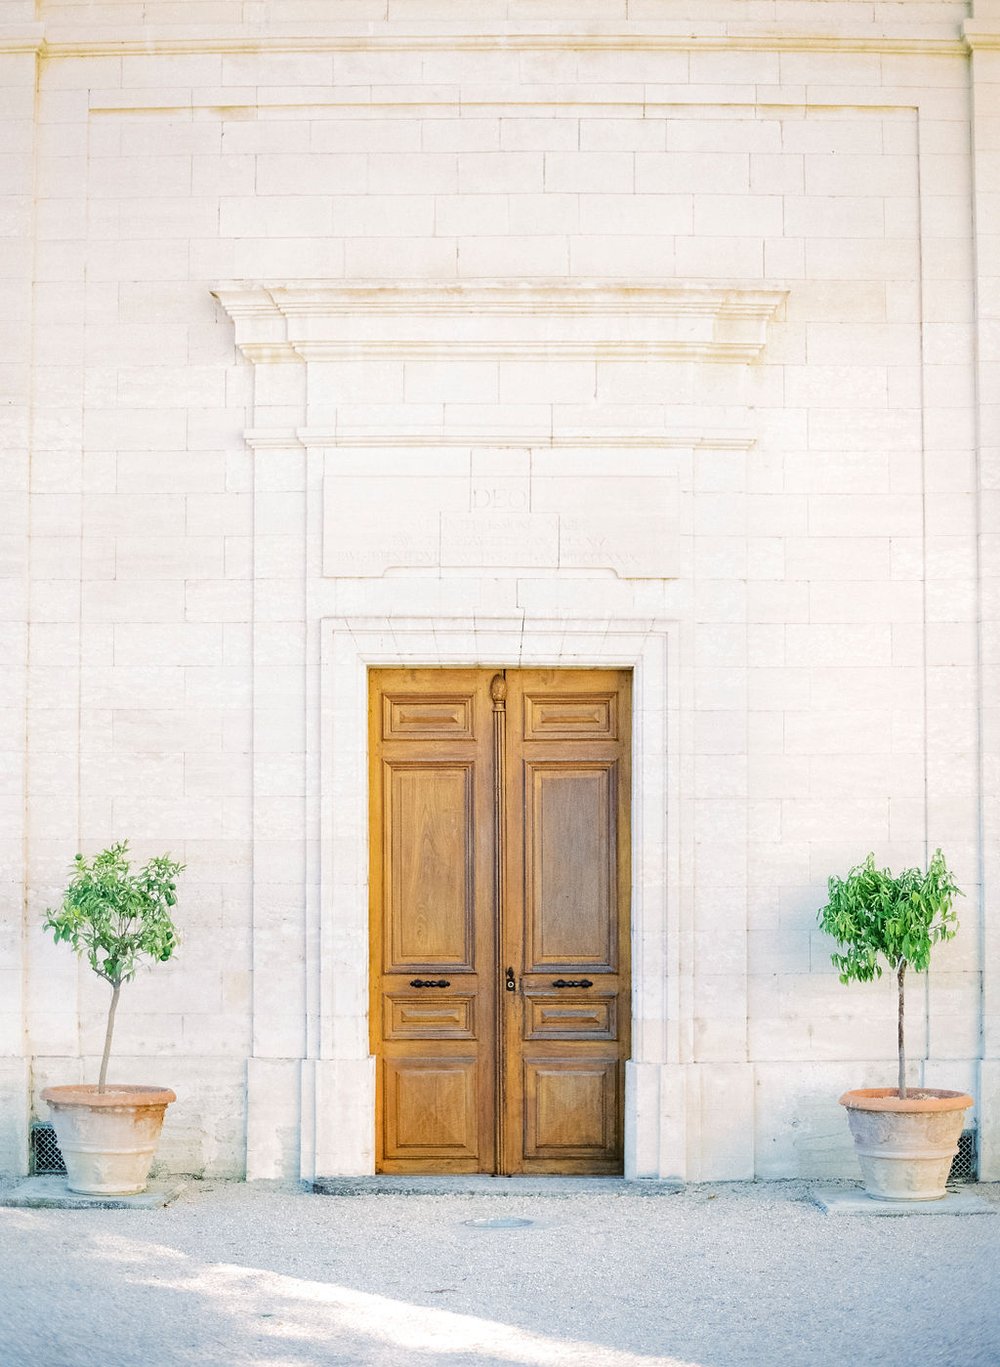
[[500, 320], [936, 40], [662, 439]]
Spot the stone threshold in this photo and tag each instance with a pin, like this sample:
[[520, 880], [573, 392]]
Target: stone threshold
[[52, 1193], [482, 1184], [855, 1201]]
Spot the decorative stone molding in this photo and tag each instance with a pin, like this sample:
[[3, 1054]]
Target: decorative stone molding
[[938, 40], [442, 513], [982, 35], [21, 38], [732, 440], [281, 439], [483, 320]]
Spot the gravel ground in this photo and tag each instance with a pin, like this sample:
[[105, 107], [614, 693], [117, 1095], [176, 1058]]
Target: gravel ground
[[718, 1276]]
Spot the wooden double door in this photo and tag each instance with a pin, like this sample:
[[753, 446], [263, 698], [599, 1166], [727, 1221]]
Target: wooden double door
[[500, 890]]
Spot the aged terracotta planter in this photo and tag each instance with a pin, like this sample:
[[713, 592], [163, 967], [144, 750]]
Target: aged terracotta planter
[[905, 1147], [108, 1138]]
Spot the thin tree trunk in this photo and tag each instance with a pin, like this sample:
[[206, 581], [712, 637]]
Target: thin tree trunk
[[901, 1042], [107, 1038]]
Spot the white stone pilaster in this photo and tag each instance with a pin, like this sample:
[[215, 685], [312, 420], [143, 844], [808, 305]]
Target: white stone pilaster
[[983, 33]]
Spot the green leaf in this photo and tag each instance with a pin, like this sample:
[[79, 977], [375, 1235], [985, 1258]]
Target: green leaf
[[876, 916], [115, 916]]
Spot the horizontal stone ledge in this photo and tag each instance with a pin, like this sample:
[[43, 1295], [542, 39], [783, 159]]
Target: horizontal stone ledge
[[62, 41], [483, 1184]]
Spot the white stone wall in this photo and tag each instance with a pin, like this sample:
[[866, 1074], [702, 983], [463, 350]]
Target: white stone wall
[[190, 194]]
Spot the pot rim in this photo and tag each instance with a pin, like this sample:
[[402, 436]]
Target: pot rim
[[920, 1099], [115, 1094]]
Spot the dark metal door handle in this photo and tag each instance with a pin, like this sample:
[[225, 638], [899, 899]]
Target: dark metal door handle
[[429, 982], [509, 983], [573, 982]]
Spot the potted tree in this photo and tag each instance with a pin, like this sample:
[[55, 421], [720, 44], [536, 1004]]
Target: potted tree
[[905, 1137], [108, 1133]]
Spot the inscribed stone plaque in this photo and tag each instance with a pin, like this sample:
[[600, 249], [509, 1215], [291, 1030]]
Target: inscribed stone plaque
[[634, 545], [496, 541]]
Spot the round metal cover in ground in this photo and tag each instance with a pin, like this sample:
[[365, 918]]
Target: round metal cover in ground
[[499, 1222]]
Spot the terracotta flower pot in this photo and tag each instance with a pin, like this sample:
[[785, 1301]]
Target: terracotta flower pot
[[108, 1138], [905, 1147]]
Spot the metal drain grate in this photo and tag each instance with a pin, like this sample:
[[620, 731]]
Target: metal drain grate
[[499, 1222], [45, 1155], [965, 1165]]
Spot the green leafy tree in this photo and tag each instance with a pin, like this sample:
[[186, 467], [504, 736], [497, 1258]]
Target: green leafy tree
[[118, 917], [875, 915]]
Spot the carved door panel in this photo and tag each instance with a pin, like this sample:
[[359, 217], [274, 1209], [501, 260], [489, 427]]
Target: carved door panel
[[500, 939]]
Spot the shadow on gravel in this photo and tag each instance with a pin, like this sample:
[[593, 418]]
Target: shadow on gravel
[[714, 1276], [252, 1315]]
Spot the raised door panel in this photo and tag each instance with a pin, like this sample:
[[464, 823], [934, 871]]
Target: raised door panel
[[430, 837], [406, 716], [553, 715], [573, 1014], [430, 1108], [570, 912], [570, 1110], [429, 1015]]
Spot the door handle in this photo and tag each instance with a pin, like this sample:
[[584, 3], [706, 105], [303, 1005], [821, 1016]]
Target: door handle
[[429, 982], [573, 982], [509, 984]]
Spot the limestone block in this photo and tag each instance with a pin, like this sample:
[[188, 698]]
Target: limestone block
[[418, 258], [466, 216], [644, 1158], [510, 172], [989, 1120], [396, 216], [800, 1130], [689, 173], [340, 1141], [603, 215], [205, 1133], [513, 257], [540, 134], [325, 173], [534, 214], [401, 174], [273, 1118], [579, 172], [14, 1116]]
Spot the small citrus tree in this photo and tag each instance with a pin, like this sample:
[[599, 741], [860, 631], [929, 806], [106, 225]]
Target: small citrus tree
[[118, 917], [874, 914]]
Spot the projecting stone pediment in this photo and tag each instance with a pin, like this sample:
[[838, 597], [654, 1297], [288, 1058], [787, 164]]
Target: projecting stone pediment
[[462, 423]]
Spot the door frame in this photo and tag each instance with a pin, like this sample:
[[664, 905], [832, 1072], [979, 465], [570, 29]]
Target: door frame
[[337, 1094]]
